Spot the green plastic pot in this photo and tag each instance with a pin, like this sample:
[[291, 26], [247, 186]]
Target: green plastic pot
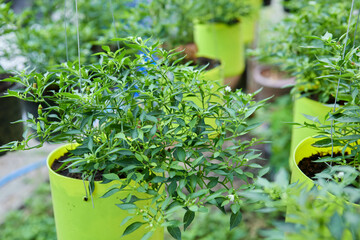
[[248, 23], [309, 107], [223, 42], [75, 216]]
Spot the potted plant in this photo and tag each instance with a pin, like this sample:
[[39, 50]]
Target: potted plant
[[172, 23], [296, 51], [339, 138], [150, 154], [217, 34]]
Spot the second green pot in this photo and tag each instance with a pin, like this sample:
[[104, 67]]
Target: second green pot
[[223, 42], [309, 107]]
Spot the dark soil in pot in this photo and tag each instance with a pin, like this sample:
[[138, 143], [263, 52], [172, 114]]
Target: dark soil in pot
[[315, 97], [211, 63], [10, 111], [311, 168], [58, 167]]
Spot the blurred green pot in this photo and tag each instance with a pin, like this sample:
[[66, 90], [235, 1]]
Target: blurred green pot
[[248, 23], [309, 107], [223, 42]]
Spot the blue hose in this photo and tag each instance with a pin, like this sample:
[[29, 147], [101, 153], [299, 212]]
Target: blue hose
[[21, 172]]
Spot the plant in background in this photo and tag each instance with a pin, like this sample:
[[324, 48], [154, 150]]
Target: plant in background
[[278, 132], [40, 31], [145, 127], [227, 12], [323, 212], [344, 127], [295, 51], [170, 21]]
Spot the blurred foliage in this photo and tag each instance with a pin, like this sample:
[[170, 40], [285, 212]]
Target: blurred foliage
[[34, 221], [277, 131]]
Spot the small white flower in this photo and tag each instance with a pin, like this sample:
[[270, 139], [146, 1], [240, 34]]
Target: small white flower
[[340, 174], [231, 197], [228, 88], [139, 39]]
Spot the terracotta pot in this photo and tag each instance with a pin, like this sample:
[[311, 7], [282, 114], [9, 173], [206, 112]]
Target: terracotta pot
[[272, 82]]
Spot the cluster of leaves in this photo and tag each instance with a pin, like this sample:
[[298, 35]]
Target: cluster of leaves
[[144, 118], [278, 133], [326, 211], [295, 49]]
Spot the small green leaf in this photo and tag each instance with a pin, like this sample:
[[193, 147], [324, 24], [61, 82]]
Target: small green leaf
[[175, 232], [188, 218], [235, 219], [158, 179], [125, 220], [172, 187], [147, 235], [110, 192], [126, 206], [111, 176], [106, 48], [336, 226], [132, 227], [180, 154], [213, 182]]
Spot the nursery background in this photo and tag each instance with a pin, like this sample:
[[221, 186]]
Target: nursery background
[[261, 99]]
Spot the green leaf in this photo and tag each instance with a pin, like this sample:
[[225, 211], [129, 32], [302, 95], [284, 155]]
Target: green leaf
[[180, 154], [311, 118], [110, 192], [213, 182], [336, 226], [263, 171], [125, 220], [158, 179], [188, 218], [132, 227], [111, 176], [199, 193], [147, 235], [235, 219], [151, 118], [106, 48], [175, 232], [126, 206], [198, 161], [172, 187]]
